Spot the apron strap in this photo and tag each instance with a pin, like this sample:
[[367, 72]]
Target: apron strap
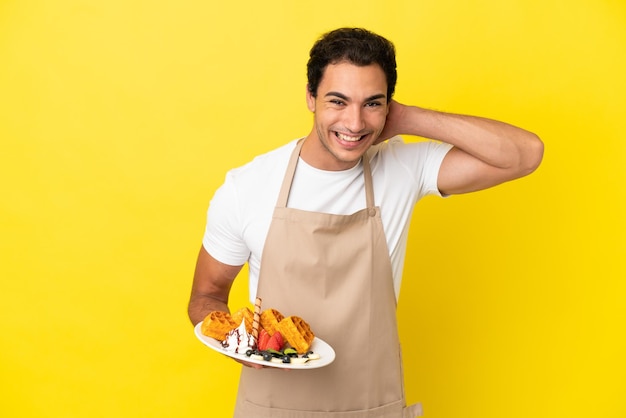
[[369, 185], [289, 174], [291, 171]]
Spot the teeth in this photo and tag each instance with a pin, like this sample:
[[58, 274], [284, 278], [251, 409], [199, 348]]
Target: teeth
[[348, 138]]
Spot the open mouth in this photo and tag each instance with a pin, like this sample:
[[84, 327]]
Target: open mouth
[[349, 138]]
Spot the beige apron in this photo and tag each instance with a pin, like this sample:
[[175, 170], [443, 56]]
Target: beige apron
[[334, 271]]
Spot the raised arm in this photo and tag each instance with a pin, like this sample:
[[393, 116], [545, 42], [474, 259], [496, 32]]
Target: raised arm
[[486, 152], [212, 281]]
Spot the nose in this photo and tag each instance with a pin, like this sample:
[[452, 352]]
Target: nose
[[354, 120]]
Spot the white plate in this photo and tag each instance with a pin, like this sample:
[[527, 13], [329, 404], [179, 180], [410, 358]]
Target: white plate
[[326, 352]]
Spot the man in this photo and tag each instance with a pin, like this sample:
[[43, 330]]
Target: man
[[323, 224]]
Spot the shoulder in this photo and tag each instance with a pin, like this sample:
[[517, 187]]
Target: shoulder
[[410, 154], [256, 183], [248, 191], [411, 165], [274, 161], [398, 144]]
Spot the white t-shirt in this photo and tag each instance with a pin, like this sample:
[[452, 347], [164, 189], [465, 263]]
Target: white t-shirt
[[241, 210]]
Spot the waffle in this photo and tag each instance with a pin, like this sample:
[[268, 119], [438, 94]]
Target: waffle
[[297, 333], [244, 314], [270, 319], [217, 324]]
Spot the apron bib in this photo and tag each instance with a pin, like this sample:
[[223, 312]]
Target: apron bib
[[334, 271]]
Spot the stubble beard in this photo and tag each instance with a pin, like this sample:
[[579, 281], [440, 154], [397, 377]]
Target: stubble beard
[[325, 140]]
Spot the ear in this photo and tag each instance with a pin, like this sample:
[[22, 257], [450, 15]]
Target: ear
[[310, 100]]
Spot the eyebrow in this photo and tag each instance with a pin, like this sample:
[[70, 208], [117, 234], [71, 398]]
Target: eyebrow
[[344, 97]]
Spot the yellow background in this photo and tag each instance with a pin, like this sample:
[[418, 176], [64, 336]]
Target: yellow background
[[119, 119]]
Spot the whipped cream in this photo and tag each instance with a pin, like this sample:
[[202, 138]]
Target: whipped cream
[[238, 340]]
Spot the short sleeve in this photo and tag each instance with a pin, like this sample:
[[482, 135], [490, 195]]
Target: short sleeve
[[433, 159], [223, 237], [418, 161]]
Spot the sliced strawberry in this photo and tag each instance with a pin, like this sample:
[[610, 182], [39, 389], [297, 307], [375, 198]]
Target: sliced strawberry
[[264, 337], [279, 339], [276, 342]]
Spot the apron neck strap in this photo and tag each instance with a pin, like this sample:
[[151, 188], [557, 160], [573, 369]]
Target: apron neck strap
[[291, 170]]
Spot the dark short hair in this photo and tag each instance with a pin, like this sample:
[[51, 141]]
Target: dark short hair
[[357, 46]]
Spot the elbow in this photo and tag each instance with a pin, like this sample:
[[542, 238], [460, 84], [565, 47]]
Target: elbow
[[533, 155]]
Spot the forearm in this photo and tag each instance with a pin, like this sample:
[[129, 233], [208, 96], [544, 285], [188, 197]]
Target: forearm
[[498, 144], [211, 287], [201, 305]]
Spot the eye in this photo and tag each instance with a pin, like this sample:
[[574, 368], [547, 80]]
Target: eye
[[337, 102], [373, 104]]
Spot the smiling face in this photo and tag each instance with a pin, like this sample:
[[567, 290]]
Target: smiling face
[[350, 110]]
